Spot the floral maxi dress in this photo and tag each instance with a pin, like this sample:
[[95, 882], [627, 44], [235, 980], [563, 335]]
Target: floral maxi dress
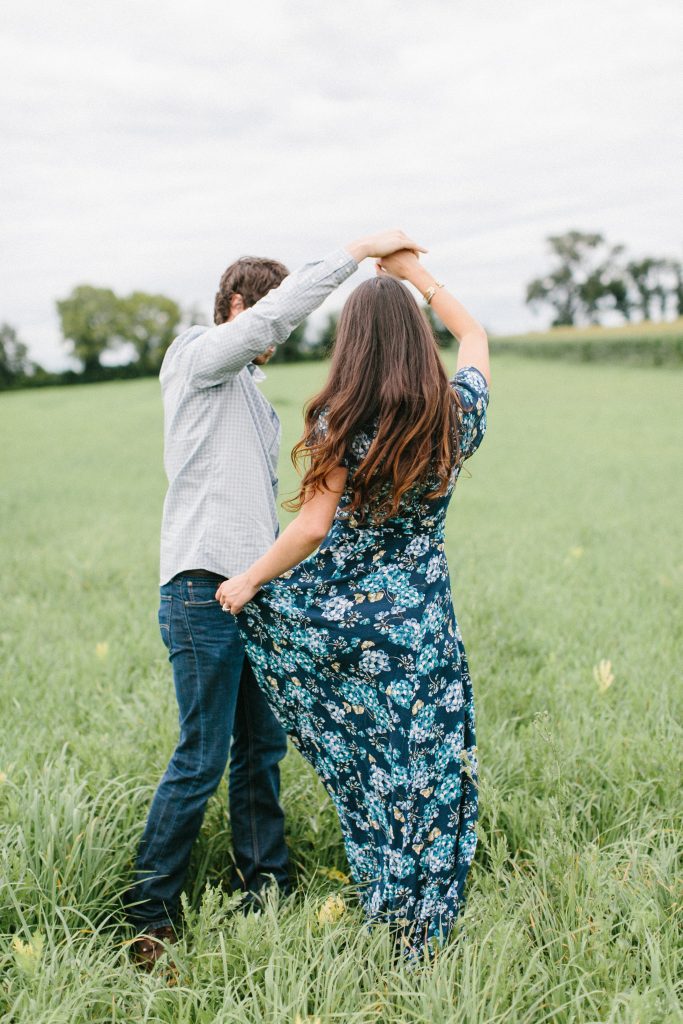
[[360, 656]]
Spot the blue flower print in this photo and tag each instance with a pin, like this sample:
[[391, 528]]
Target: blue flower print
[[360, 656], [375, 662], [428, 658], [402, 691], [449, 789], [406, 633]]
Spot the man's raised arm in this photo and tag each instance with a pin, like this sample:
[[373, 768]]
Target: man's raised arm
[[227, 348]]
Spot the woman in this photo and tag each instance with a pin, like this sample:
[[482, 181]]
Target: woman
[[357, 647]]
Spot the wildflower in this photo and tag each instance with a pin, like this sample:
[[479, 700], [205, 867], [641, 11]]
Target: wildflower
[[603, 675], [468, 762], [27, 955], [102, 650], [332, 909], [335, 875]]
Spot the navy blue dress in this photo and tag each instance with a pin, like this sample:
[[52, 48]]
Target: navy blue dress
[[360, 656]]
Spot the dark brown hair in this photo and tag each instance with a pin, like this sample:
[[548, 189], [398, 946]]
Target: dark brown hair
[[385, 368], [252, 277]]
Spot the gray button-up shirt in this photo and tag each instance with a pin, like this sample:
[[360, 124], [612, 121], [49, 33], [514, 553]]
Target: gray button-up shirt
[[221, 436]]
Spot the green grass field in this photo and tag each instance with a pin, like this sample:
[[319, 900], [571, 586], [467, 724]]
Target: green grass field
[[565, 549]]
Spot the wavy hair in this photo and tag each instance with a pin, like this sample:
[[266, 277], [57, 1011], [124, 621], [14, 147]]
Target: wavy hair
[[387, 376], [252, 277]]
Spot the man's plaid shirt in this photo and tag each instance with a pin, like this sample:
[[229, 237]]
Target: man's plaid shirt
[[221, 436]]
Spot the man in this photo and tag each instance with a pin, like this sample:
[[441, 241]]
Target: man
[[221, 446]]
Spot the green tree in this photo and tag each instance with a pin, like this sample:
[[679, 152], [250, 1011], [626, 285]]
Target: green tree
[[677, 291], [294, 349], [91, 323], [150, 323], [654, 283], [618, 289], [603, 287], [585, 280], [324, 339], [14, 361]]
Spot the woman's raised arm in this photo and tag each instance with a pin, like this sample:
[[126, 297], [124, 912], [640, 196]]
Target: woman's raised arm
[[474, 345]]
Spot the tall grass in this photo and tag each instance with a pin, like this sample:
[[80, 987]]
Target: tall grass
[[564, 544]]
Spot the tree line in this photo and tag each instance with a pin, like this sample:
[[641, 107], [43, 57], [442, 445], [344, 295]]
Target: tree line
[[95, 321], [588, 279]]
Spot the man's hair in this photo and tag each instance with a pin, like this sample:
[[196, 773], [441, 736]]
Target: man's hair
[[252, 277]]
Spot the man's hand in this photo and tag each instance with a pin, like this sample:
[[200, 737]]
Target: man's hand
[[265, 357], [382, 244], [402, 264], [234, 593]]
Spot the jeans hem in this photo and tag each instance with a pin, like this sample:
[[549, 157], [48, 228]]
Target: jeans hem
[[142, 925]]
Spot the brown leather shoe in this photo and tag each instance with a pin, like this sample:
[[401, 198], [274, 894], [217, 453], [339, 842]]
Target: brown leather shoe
[[150, 946]]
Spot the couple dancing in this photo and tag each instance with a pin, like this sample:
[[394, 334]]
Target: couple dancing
[[354, 651]]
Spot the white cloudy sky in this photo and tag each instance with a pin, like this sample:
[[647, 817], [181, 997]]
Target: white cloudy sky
[[148, 144]]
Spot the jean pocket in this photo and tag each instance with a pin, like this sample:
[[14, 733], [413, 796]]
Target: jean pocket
[[165, 619], [201, 594], [209, 627]]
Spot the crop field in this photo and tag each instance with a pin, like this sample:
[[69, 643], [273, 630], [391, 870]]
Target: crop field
[[640, 344], [565, 544]]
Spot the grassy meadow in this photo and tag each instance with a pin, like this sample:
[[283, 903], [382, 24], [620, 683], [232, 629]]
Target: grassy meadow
[[566, 556]]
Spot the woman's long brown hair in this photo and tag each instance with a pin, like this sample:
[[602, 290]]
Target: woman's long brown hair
[[385, 367]]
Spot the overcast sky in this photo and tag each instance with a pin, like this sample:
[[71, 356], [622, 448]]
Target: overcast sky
[[149, 144]]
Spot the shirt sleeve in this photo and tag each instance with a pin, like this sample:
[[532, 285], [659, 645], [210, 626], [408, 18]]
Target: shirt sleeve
[[470, 385], [228, 348]]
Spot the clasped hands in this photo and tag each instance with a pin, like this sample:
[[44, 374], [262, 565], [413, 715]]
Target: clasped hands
[[401, 264]]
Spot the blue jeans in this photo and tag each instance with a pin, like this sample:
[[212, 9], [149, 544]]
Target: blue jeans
[[218, 698]]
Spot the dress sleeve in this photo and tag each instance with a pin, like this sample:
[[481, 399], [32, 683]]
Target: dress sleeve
[[473, 392]]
